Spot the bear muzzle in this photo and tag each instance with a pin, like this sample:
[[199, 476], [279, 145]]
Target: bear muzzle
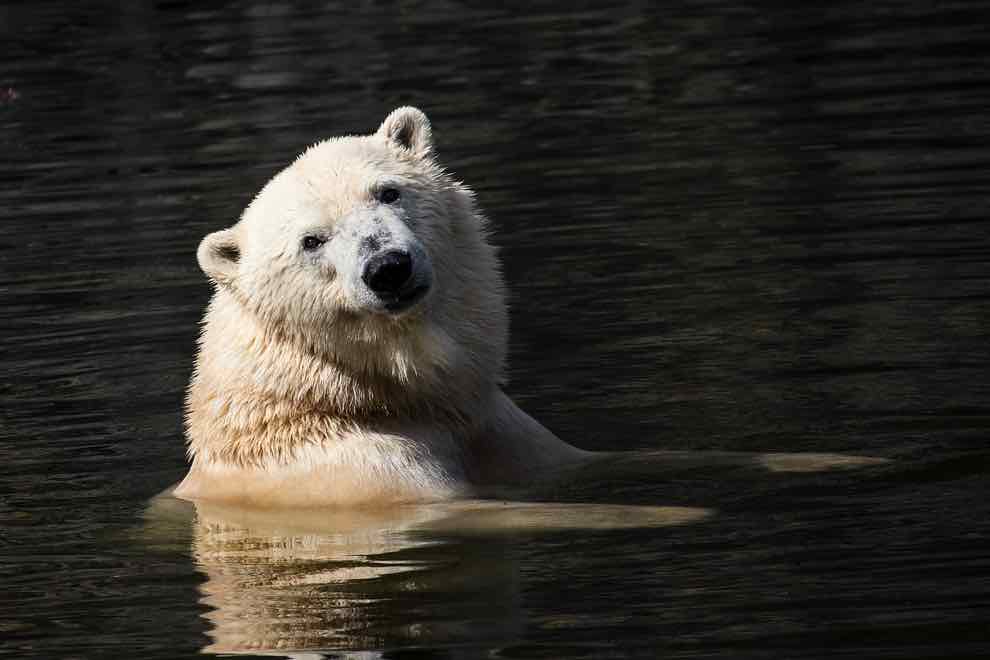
[[395, 278]]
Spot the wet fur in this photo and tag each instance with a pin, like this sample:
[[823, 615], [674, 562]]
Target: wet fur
[[301, 396]]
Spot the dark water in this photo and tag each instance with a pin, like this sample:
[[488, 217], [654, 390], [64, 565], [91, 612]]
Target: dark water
[[727, 227]]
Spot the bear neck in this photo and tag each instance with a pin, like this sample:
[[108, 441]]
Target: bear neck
[[257, 395]]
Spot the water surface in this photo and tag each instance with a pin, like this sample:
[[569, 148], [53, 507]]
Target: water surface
[[730, 229]]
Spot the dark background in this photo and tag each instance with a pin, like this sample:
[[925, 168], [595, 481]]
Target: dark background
[[726, 226]]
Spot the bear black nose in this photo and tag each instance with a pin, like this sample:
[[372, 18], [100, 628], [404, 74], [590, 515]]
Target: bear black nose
[[387, 272]]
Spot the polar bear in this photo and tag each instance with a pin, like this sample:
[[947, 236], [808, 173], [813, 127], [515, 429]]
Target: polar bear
[[354, 349]]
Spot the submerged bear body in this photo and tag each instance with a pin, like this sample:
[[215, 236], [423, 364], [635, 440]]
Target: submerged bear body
[[355, 345]]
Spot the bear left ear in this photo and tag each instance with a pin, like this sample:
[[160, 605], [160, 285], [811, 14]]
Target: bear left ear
[[409, 128], [218, 256]]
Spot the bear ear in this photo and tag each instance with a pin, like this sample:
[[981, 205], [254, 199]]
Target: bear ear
[[218, 256], [409, 128]]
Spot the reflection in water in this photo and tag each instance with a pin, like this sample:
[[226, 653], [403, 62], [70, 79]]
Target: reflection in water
[[303, 580], [310, 580], [292, 581], [297, 580]]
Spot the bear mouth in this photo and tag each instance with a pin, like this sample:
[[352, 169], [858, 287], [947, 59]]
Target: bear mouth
[[403, 300]]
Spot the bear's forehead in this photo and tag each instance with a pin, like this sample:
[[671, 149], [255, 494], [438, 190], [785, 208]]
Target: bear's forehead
[[351, 166], [331, 177], [351, 156]]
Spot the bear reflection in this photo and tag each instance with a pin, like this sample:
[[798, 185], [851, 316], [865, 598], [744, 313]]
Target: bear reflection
[[283, 582], [438, 575]]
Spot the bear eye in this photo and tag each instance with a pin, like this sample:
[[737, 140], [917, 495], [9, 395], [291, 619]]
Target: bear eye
[[389, 195], [313, 242]]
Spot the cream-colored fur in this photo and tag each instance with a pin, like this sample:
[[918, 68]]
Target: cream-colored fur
[[307, 391]]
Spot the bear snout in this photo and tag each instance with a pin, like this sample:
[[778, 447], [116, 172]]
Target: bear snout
[[388, 272], [398, 278]]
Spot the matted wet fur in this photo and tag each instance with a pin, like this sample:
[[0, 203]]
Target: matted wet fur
[[312, 386]]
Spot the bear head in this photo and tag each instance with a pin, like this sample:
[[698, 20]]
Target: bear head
[[369, 256]]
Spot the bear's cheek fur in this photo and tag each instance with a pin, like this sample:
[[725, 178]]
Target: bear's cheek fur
[[297, 297]]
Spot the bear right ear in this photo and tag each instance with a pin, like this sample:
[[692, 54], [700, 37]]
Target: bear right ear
[[218, 256], [409, 128]]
